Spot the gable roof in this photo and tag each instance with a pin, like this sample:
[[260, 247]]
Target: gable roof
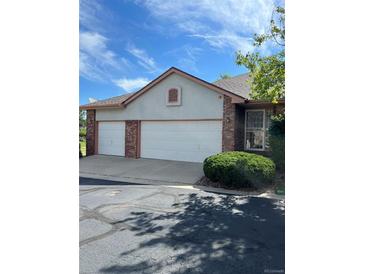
[[236, 84], [235, 97], [123, 100]]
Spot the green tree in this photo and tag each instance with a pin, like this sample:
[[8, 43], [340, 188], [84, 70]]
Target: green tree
[[267, 73], [82, 118]]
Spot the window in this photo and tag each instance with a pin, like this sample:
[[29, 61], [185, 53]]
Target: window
[[173, 96], [255, 130]]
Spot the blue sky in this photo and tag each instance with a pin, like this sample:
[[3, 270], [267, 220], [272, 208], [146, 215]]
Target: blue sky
[[124, 44]]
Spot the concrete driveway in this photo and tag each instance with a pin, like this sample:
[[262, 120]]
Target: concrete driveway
[[140, 170], [159, 229]]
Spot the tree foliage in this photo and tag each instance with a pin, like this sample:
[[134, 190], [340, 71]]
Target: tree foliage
[[82, 118], [267, 73], [224, 76]]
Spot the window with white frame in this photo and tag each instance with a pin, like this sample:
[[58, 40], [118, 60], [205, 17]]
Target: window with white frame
[[255, 130]]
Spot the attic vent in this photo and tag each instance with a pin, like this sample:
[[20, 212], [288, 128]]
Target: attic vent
[[173, 96]]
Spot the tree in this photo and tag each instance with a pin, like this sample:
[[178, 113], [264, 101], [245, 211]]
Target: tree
[[267, 73], [82, 118], [224, 76]]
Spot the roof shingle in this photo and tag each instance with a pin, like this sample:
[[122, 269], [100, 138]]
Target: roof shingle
[[117, 100], [236, 84]]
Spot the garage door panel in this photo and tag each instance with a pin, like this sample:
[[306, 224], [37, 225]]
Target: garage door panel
[[181, 140], [190, 146], [111, 138]]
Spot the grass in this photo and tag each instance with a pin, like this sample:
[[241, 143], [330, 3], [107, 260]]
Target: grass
[[83, 147]]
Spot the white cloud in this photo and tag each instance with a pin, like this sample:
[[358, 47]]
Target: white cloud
[[96, 60], [94, 16], [130, 85], [187, 56], [89, 9], [143, 59], [222, 24]]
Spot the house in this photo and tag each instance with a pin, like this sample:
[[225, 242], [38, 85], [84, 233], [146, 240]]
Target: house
[[180, 117]]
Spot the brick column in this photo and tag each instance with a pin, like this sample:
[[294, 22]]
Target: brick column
[[228, 140], [239, 128], [90, 132], [132, 139]]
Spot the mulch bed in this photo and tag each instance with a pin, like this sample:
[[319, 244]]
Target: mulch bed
[[279, 180]]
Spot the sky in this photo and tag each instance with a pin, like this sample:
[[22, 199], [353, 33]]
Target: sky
[[125, 44]]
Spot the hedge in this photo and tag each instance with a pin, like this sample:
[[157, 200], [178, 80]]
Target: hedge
[[239, 169]]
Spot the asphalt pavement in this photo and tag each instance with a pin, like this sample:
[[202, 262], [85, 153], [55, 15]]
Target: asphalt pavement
[[132, 228]]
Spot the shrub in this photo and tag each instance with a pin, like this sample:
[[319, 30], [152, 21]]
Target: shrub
[[277, 140], [82, 132], [239, 169]]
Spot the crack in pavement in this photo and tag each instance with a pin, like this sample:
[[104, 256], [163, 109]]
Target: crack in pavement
[[118, 225], [89, 190]]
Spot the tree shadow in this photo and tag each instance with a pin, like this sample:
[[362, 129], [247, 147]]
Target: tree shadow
[[211, 234]]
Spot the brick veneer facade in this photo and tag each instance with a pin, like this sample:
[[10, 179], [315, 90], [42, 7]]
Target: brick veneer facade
[[239, 133], [90, 132], [228, 124], [132, 132], [233, 126], [232, 131]]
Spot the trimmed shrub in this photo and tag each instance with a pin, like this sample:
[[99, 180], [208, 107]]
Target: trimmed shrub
[[277, 140], [239, 169]]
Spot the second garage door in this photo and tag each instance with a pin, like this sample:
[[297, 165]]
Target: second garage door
[[111, 138], [190, 141]]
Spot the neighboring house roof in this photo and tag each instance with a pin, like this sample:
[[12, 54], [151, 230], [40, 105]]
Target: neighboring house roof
[[236, 84], [125, 99]]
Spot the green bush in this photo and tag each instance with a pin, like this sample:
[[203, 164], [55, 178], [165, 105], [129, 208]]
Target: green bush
[[239, 169], [277, 141], [82, 132]]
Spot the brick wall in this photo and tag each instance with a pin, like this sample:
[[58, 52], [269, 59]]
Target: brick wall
[[132, 131], [239, 129], [90, 132], [233, 126], [228, 130]]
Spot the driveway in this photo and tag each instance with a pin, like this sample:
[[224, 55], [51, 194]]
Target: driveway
[[140, 170], [160, 229]]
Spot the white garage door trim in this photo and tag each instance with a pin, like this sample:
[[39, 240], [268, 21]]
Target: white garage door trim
[[111, 138], [190, 141]]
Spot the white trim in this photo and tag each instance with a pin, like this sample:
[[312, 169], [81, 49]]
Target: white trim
[[264, 129], [178, 102]]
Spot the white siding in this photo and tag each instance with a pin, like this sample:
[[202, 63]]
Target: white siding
[[197, 102], [190, 141], [111, 138]]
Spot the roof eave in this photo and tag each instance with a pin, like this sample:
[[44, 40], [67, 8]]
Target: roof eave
[[253, 102], [86, 107]]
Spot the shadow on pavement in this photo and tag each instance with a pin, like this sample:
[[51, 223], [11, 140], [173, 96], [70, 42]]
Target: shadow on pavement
[[83, 181], [210, 234]]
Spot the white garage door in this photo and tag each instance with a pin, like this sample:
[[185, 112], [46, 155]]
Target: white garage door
[[191, 141], [111, 138]]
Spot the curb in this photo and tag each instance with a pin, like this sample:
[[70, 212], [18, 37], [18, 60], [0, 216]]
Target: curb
[[196, 187], [131, 180], [268, 195]]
